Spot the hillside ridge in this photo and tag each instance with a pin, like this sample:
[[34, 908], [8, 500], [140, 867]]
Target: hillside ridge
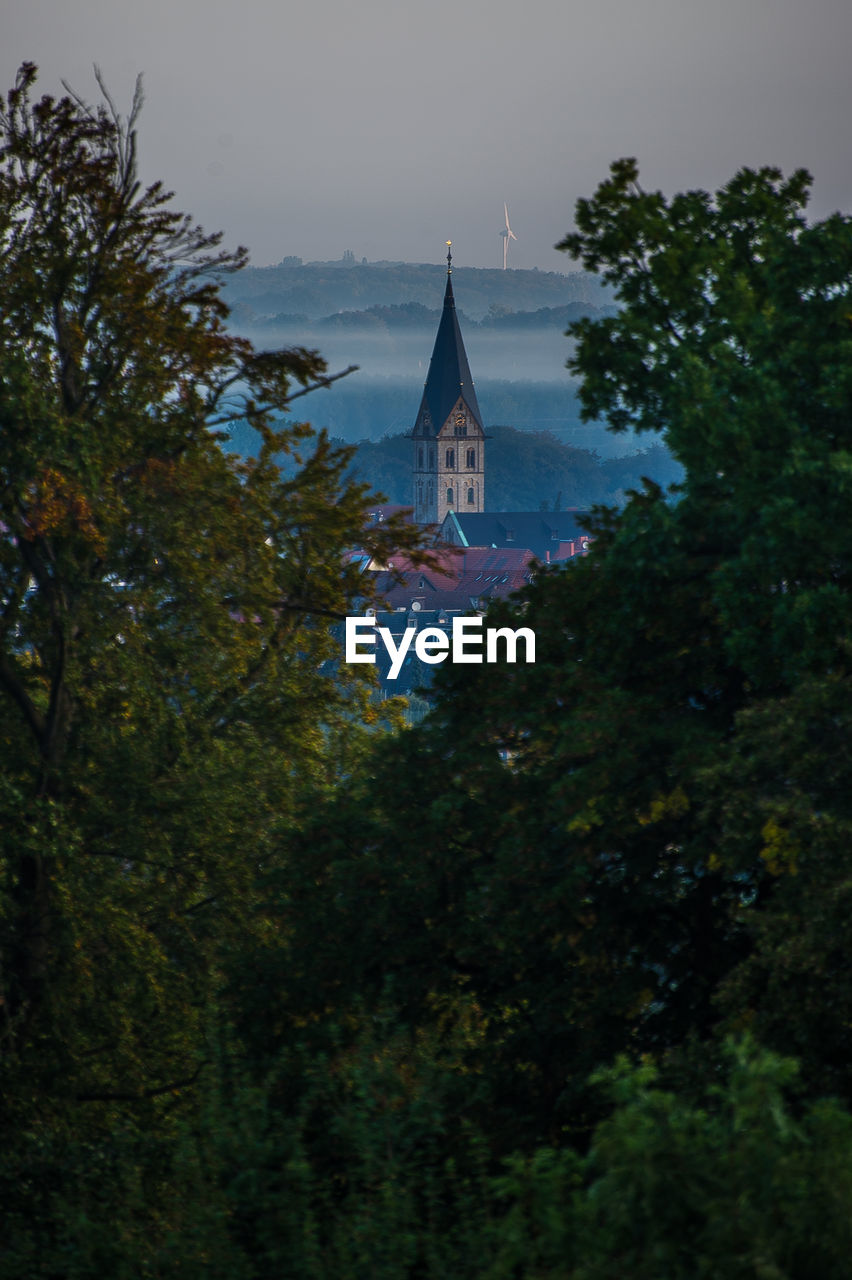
[[312, 290]]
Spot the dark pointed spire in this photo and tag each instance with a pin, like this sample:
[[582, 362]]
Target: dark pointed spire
[[449, 372]]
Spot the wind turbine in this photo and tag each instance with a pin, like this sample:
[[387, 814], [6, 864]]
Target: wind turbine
[[508, 234]]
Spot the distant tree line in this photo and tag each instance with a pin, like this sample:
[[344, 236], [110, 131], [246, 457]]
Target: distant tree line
[[525, 471], [318, 289], [413, 315]]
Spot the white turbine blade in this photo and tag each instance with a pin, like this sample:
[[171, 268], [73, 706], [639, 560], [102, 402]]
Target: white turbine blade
[[507, 233]]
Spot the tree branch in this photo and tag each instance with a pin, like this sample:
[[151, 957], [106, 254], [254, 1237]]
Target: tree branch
[[141, 1094], [16, 690], [325, 382]]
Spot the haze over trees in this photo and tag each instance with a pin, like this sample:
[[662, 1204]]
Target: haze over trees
[[383, 317], [402, 291], [526, 471], [517, 992]]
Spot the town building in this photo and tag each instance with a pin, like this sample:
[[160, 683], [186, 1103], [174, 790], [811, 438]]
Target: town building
[[448, 436], [465, 580], [478, 556], [547, 535]]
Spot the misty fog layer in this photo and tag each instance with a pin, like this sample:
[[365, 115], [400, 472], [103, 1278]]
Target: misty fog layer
[[383, 317]]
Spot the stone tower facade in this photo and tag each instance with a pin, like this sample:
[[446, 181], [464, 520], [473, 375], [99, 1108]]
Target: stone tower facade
[[448, 436]]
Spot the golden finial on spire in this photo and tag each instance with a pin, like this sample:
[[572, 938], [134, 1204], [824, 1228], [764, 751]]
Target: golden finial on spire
[[449, 257]]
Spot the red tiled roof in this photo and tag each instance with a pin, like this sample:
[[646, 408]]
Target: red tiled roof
[[461, 577]]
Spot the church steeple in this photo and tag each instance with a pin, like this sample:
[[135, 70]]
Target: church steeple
[[449, 439]]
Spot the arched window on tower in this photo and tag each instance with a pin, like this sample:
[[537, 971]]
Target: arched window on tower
[[450, 496], [451, 457], [471, 459], [420, 458], [470, 498]]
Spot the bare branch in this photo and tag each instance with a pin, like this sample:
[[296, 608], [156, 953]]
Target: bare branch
[[325, 382]]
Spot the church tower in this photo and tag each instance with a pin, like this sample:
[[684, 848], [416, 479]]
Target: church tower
[[449, 439]]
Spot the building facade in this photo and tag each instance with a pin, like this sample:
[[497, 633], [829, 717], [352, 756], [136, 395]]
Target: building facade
[[448, 436]]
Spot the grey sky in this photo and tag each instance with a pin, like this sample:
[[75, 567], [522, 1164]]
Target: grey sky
[[313, 126]]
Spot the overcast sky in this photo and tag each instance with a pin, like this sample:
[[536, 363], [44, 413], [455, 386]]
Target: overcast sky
[[310, 127]]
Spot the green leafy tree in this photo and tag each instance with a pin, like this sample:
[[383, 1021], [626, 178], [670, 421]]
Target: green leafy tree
[[739, 1181], [163, 614], [734, 338]]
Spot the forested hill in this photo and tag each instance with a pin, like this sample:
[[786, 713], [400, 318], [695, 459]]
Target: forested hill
[[309, 291], [526, 471], [383, 318]]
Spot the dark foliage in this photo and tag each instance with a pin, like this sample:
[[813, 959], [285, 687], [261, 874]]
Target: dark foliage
[[283, 995]]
